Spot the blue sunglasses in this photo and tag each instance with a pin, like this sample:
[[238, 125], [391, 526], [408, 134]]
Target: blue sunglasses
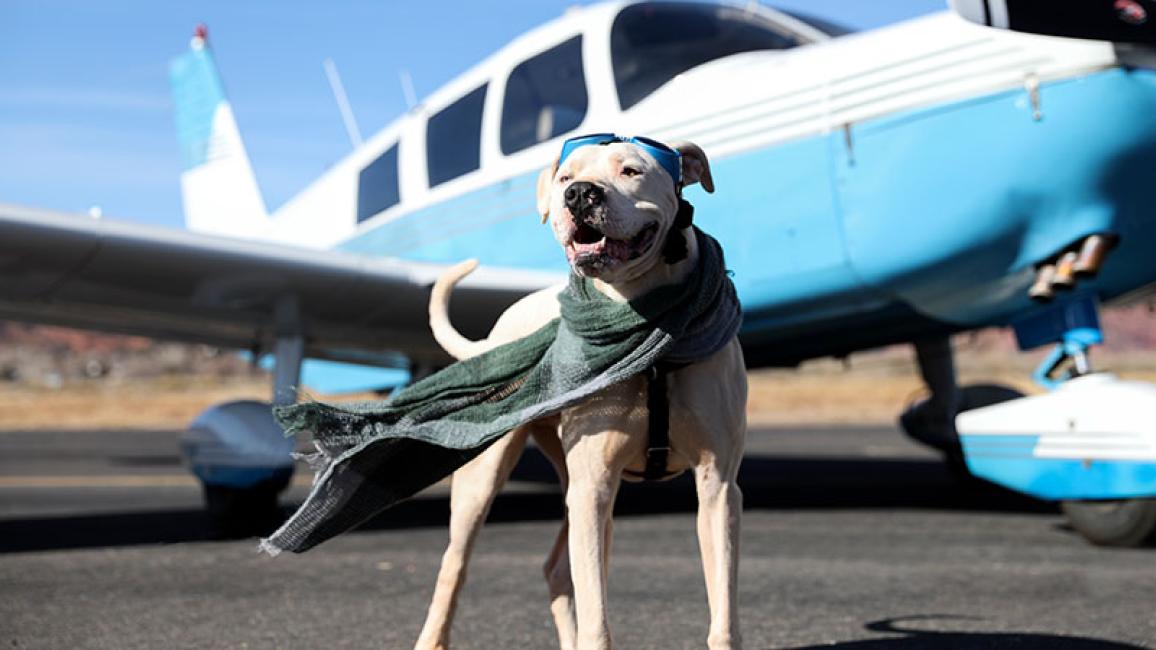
[[669, 158]]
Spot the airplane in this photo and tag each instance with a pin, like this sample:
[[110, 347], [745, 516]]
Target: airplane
[[891, 186]]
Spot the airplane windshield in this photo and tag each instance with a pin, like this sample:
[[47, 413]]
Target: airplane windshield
[[654, 42]]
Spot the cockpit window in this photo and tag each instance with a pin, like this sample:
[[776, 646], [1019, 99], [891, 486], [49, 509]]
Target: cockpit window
[[652, 43]]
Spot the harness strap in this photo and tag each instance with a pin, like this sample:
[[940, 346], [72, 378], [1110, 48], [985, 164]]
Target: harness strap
[[658, 403], [658, 427]]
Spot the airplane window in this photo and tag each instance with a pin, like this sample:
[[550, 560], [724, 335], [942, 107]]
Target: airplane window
[[453, 138], [377, 187], [545, 97], [654, 42]]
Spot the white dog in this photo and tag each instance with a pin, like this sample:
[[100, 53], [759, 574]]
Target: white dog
[[611, 208]]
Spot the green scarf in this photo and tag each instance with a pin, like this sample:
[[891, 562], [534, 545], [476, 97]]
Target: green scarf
[[373, 454]]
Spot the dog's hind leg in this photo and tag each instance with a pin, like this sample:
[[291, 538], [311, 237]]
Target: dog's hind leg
[[472, 491], [557, 566]]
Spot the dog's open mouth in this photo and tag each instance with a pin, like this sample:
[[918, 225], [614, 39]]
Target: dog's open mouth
[[591, 248]]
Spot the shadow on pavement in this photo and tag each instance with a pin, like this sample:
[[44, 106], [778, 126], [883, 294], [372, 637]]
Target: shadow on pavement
[[769, 483], [968, 640]]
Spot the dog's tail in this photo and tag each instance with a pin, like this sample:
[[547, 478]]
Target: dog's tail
[[452, 341]]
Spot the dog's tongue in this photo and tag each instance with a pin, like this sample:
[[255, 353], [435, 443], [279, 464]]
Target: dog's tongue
[[604, 247], [617, 249]]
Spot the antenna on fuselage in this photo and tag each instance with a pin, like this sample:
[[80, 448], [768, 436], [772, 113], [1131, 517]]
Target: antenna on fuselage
[[407, 89], [343, 103]]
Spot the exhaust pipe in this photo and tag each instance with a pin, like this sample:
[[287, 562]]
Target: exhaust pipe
[[1041, 290], [1065, 272], [1092, 253], [1082, 260]]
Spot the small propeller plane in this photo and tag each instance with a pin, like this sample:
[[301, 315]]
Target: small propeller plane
[[892, 186]]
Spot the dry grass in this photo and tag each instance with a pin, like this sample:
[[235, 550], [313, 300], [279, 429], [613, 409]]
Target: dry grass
[[873, 389], [164, 404]]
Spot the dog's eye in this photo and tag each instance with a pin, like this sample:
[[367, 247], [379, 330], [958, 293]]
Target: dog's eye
[[565, 178], [631, 171]]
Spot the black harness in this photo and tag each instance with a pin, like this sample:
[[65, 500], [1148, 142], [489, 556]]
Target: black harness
[[658, 423]]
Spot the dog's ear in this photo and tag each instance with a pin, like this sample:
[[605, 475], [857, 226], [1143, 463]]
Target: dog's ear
[[545, 180], [695, 166]]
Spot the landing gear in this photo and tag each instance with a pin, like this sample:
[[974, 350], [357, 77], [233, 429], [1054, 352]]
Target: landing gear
[[248, 511], [1088, 443], [1123, 522], [931, 421], [242, 457]]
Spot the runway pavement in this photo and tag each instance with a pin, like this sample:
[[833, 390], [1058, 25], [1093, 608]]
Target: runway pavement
[[852, 538]]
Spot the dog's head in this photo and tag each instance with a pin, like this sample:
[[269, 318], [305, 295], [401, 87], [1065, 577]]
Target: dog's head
[[611, 205]]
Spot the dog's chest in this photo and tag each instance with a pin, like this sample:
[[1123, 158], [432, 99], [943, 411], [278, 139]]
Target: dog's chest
[[619, 419]]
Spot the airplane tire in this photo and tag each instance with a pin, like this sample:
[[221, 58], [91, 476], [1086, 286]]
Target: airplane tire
[[237, 513], [980, 395], [1122, 523], [924, 428]]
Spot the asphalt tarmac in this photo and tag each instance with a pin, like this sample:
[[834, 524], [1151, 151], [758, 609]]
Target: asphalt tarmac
[[852, 538]]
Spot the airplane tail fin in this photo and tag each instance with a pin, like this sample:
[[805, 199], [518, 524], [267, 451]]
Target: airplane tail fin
[[218, 187]]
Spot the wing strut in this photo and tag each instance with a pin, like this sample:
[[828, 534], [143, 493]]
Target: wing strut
[[288, 351]]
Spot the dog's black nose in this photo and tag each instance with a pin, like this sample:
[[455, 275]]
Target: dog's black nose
[[581, 196]]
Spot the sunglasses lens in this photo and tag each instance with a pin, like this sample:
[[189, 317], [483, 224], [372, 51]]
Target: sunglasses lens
[[666, 156], [669, 158], [656, 144]]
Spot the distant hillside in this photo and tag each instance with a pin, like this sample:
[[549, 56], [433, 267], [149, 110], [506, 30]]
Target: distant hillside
[[69, 340], [1133, 328], [1130, 329], [51, 356]]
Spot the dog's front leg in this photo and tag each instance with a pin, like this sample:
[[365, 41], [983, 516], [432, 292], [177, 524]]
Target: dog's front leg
[[589, 503], [720, 505], [472, 492]]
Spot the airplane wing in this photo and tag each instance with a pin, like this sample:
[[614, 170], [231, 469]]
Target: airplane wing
[[76, 271]]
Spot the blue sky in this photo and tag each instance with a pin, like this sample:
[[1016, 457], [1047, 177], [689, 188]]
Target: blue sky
[[85, 113]]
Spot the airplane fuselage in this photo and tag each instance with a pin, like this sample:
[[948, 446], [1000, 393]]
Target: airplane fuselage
[[873, 188]]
